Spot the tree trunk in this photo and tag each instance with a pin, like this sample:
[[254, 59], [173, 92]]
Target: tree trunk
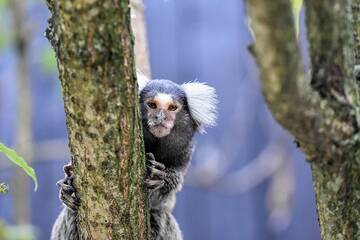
[[321, 111], [94, 47]]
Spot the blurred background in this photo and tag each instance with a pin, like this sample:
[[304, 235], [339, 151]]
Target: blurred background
[[247, 180]]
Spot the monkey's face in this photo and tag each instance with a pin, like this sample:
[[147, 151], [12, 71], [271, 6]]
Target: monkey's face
[[162, 106], [161, 114], [167, 106]]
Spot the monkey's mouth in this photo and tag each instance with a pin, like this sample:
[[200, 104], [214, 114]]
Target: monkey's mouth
[[160, 130]]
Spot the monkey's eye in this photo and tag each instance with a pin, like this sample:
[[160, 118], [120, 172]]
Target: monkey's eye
[[172, 107], [152, 105]]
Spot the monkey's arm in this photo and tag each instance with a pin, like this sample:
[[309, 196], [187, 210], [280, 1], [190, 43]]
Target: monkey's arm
[[65, 226]]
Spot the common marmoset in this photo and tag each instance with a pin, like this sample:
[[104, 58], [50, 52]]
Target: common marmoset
[[171, 114]]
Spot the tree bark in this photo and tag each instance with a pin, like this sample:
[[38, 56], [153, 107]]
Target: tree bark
[[322, 110], [94, 48]]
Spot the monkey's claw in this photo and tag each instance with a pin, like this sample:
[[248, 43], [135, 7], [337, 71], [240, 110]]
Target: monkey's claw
[[150, 158], [70, 200], [154, 185], [155, 173], [68, 170], [67, 191]]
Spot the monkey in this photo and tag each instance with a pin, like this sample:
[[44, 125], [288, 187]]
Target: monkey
[[171, 114]]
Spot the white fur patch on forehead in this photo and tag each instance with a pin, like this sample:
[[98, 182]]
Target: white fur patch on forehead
[[142, 80], [202, 101], [163, 99]]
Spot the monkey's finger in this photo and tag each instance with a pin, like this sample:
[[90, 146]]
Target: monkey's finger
[[152, 184], [156, 188], [70, 200], [68, 169], [156, 172], [150, 157], [156, 164], [64, 186]]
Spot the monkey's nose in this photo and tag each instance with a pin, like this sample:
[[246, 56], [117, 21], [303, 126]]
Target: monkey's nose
[[159, 117]]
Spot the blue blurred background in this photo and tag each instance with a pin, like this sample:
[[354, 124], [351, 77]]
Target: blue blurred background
[[247, 180]]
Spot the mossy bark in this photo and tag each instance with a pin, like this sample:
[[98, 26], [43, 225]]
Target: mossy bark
[[320, 110], [94, 48]]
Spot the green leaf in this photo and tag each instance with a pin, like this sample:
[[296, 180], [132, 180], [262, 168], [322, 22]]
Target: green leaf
[[18, 160], [296, 8]]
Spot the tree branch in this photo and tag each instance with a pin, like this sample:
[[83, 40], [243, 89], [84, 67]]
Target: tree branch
[[282, 73], [323, 113]]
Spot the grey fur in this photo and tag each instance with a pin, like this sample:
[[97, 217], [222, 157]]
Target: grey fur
[[65, 226], [167, 160]]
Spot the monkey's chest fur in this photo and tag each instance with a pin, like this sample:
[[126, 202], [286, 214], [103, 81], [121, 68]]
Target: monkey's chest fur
[[174, 150]]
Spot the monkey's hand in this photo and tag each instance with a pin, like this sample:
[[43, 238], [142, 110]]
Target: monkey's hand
[[155, 173], [161, 179], [67, 191]]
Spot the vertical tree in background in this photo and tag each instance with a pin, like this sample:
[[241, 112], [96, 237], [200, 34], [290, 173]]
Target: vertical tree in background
[[322, 111], [94, 48], [141, 46], [23, 137]]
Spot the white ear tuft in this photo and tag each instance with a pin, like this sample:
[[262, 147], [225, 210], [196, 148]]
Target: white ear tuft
[[142, 80], [202, 101]]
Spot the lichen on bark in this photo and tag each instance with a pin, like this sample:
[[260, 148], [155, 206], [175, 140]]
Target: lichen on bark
[[94, 48]]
